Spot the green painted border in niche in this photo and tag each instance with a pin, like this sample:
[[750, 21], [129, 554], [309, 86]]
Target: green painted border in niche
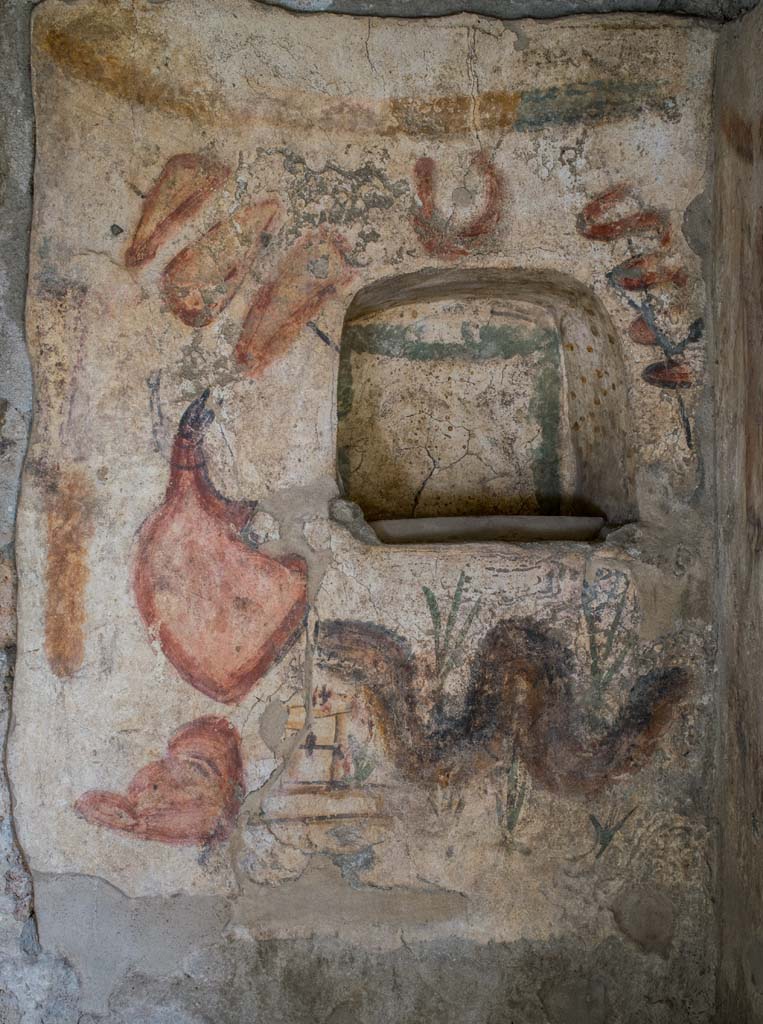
[[492, 341]]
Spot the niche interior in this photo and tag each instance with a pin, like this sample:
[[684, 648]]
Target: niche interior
[[483, 404]]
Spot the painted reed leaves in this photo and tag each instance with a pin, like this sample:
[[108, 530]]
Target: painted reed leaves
[[610, 639], [448, 643]]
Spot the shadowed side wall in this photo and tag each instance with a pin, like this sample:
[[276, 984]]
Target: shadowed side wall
[[739, 398]]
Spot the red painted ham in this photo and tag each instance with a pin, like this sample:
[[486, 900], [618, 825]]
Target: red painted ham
[[203, 278], [186, 182], [222, 611], [191, 796]]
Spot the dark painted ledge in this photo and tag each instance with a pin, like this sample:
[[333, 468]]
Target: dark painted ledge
[[477, 529], [718, 10]]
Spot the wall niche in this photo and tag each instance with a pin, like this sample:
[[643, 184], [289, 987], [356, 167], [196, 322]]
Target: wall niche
[[483, 394]]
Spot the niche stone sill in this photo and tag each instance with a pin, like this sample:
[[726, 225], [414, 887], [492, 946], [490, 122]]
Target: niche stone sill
[[471, 529]]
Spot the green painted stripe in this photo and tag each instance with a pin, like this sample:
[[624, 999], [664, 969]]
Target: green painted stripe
[[403, 341], [590, 102], [545, 408], [398, 341]]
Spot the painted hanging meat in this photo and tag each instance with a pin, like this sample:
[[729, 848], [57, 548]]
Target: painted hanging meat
[[310, 273], [191, 796], [222, 611], [438, 235], [203, 278], [618, 213], [186, 182]]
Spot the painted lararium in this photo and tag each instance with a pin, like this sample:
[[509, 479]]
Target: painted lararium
[[301, 275]]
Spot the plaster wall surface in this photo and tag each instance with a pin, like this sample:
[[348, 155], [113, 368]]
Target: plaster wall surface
[[488, 877], [738, 250]]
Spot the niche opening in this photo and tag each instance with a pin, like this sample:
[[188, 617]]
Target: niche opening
[[483, 405]]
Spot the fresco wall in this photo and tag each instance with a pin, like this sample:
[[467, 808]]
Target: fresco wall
[[266, 250]]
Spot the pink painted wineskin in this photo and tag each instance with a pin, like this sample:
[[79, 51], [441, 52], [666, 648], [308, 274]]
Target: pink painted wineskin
[[223, 611]]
